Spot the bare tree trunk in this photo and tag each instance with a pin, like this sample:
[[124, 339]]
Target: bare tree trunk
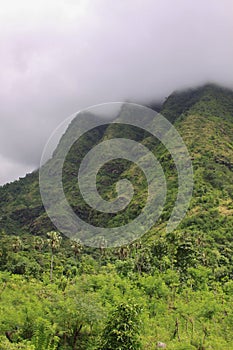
[[176, 331], [51, 268], [76, 333], [192, 329]]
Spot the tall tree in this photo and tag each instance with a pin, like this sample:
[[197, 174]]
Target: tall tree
[[76, 246], [54, 241]]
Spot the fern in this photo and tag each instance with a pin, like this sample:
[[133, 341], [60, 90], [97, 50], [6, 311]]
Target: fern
[[44, 337]]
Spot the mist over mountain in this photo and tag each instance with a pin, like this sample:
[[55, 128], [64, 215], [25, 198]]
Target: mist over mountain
[[64, 56], [163, 290], [203, 116]]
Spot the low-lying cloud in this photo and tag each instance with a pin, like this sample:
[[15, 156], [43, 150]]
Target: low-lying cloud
[[60, 56]]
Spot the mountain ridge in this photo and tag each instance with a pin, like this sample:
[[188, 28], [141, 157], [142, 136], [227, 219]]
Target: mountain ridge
[[56, 291], [186, 105]]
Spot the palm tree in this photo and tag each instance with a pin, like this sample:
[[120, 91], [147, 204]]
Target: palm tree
[[102, 246], [16, 244], [38, 243], [54, 242], [123, 252], [77, 247]]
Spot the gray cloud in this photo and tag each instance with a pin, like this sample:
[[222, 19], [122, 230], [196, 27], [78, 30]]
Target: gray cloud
[[60, 56]]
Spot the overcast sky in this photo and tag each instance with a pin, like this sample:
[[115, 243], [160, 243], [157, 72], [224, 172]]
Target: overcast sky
[[60, 56]]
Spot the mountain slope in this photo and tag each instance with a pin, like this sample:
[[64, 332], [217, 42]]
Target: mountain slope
[[204, 118], [181, 281]]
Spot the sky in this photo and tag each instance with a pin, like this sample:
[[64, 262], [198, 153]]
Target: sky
[[60, 56]]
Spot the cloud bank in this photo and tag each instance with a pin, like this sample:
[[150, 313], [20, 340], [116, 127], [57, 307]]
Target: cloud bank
[[58, 57]]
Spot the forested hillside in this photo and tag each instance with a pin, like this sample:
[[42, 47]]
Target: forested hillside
[[174, 288]]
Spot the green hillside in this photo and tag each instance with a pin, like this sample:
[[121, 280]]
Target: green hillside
[[56, 294]]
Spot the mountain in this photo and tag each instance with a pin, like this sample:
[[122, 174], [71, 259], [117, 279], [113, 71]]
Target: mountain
[[204, 118], [170, 289]]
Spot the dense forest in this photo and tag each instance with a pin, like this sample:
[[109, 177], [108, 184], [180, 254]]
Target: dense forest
[[172, 290]]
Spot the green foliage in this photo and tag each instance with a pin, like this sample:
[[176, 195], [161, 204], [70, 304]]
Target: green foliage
[[5, 344], [122, 329], [56, 294], [44, 337]]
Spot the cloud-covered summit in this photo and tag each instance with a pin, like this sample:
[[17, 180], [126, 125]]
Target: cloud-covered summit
[[60, 56]]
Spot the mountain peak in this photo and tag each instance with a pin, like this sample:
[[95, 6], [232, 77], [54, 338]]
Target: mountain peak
[[207, 100]]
